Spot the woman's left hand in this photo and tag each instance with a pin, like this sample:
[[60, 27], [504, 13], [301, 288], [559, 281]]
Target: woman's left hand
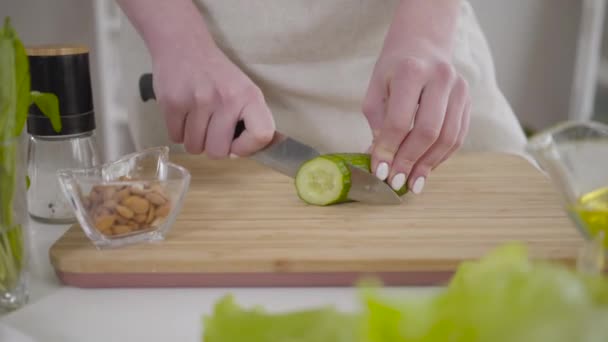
[[417, 106]]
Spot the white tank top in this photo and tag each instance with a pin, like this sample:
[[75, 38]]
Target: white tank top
[[313, 61]]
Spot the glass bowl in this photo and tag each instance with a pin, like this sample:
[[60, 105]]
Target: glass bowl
[[573, 155], [132, 200]]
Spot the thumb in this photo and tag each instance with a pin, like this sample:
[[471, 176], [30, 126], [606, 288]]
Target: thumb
[[259, 130]]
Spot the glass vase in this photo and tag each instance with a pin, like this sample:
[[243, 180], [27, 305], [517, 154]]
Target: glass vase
[[13, 221]]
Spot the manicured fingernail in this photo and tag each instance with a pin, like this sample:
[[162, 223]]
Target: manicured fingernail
[[418, 185], [233, 156], [382, 171], [398, 181]]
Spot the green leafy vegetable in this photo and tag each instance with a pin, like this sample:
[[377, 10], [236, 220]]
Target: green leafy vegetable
[[504, 297], [232, 323], [8, 93], [48, 103], [15, 99], [22, 77]]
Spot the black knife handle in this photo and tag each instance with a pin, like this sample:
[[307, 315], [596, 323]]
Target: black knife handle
[[146, 91]]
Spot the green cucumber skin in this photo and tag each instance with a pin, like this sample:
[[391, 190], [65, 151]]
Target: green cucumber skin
[[359, 160], [363, 161], [344, 171]]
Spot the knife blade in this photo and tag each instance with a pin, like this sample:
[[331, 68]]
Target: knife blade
[[367, 188], [285, 155]]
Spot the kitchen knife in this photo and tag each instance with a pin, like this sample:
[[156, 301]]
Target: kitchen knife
[[285, 155]]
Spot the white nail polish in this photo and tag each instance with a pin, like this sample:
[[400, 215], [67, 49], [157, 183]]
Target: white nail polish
[[418, 185], [233, 156], [398, 181], [382, 171]]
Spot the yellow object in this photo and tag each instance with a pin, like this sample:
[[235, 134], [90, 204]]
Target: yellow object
[[592, 211]]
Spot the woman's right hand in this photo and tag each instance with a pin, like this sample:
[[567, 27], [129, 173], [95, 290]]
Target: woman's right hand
[[203, 96], [201, 92]]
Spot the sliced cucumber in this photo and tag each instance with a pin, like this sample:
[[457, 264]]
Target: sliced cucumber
[[325, 180]]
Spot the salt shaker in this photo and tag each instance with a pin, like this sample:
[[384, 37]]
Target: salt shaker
[[63, 71]]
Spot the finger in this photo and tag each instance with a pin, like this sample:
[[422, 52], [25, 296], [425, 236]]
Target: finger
[[175, 127], [195, 129], [220, 132], [175, 108], [426, 131], [464, 129], [404, 95], [259, 129], [448, 138]]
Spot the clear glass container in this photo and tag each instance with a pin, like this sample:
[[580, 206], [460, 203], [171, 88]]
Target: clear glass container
[[132, 200], [574, 155], [46, 155], [13, 226]]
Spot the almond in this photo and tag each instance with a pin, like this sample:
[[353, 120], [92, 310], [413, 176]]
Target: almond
[[140, 218], [110, 204], [108, 193], [156, 198], [121, 220], [107, 232], [151, 215], [122, 194], [138, 189], [137, 204], [157, 187], [124, 211], [102, 211], [121, 229], [163, 211], [157, 222], [104, 222]]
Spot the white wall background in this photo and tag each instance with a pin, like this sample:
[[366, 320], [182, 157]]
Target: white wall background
[[533, 42], [534, 46], [56, 22]]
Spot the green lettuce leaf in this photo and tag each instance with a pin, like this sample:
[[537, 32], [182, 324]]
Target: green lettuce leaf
[[230, 322], [15, 87], [15, 99], [8, 92], [22, 77], [504, 297], [49, 106]]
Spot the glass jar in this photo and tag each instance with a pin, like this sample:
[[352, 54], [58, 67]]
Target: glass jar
[[13, 225], [46, 155], [63, 71]]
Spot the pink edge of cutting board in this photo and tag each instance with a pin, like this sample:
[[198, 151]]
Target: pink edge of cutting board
[[168, 280], [471, 204]]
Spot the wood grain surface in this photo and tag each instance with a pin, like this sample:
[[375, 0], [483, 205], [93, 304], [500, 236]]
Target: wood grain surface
[[242, 220]]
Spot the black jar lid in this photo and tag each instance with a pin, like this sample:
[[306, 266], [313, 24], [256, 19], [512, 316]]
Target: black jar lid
[[64, 71]]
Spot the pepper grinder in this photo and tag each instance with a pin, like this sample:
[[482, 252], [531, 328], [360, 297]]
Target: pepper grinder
[[63, 71]]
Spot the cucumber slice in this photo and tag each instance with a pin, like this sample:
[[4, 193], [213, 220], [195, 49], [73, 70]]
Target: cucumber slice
[[325, 180]]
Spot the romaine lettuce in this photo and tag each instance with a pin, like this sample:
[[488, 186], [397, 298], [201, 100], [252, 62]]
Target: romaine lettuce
[[504, 297]]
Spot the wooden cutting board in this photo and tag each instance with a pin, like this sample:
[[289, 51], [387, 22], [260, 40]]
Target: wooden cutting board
[[243, 225]]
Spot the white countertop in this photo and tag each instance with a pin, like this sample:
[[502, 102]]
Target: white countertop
[[57, 313]]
